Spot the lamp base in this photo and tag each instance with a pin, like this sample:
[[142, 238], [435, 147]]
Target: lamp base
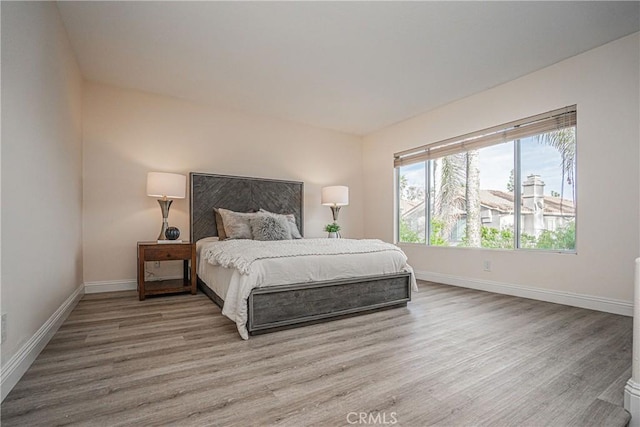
[[335, 210], [164, 206]]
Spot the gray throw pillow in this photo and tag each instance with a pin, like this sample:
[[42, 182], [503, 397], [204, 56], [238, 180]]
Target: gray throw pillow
[[269, 227], [291, 218]]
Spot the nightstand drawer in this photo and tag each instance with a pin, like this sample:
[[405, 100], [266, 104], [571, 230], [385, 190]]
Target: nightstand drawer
[[168, 253]]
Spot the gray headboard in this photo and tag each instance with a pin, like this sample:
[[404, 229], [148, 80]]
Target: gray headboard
[[240, 194]]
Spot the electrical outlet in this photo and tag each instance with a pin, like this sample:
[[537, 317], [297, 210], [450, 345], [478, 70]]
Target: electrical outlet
[[487, 265], [3, 328], [156, 264]]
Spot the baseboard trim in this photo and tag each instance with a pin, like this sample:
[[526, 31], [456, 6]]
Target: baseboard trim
[[632, 402], [110, 286], [22, 360], [607, 305]]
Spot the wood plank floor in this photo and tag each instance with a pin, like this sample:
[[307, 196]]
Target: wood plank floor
[[453, 357]]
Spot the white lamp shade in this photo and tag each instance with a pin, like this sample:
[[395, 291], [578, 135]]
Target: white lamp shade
[[337, 195], [170, 185]]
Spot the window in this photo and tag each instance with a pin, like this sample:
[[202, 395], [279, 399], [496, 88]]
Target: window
[[411, 206], [508, 187]]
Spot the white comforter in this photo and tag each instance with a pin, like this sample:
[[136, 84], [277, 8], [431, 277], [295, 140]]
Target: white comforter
[[259, 264]]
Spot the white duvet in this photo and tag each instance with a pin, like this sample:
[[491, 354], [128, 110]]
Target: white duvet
[[250, 264]]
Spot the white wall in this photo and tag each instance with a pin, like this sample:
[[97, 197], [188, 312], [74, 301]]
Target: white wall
[[128, 133], [604, 83], [41, 170]]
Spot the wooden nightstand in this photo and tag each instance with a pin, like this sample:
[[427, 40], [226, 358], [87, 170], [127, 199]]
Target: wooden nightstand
[[153, 251]]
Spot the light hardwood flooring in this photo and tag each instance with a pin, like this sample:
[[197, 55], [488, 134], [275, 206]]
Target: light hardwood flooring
[[453, 357]]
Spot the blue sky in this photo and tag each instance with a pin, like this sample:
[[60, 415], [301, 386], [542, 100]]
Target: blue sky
[[496, 162]]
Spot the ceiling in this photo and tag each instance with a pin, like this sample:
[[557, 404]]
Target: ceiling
[[350, 66]]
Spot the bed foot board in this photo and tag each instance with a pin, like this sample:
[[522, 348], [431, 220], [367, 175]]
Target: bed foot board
[[287, 306], [328, 319]]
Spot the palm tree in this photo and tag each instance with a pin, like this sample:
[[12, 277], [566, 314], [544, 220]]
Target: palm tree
[[473, 199], [457, 188], [449, 183], [563, 140]]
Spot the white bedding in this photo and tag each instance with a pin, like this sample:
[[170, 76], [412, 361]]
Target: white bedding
[[278, 263]]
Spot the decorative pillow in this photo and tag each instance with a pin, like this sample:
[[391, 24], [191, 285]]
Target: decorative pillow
[[291, 219], [219, 225], [269, 227], [236, 224]]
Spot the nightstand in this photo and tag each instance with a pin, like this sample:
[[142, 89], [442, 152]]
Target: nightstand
[[153, 251]]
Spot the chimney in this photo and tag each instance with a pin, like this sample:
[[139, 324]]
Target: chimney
[[533, 204]]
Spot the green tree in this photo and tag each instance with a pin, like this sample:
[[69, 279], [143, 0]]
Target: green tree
[[494, 238], [562, 239], [528, 241], [403, 183], [436, 238], [408, 235], [499, 239]]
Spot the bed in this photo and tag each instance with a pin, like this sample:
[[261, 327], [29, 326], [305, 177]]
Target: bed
[[288, 292]]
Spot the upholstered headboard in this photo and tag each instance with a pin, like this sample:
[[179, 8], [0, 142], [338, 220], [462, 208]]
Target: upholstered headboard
[[240, 194]]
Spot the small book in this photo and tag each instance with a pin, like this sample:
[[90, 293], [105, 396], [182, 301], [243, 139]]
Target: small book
[[170, 241]]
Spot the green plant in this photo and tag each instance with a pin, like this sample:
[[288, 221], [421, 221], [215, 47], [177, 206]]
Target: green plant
[[563, 238], [407, 235], [436, 233], [332, 228]]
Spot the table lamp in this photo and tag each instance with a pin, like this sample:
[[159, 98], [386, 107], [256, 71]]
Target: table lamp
[[167, 186], [335, 197]]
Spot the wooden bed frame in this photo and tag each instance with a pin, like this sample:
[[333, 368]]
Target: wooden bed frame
[[286, 306]]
